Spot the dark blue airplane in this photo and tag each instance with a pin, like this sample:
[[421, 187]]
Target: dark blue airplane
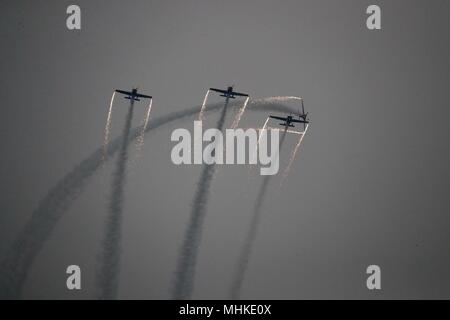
[[133, 95], [229, 93], [302, 118], [289, 120]]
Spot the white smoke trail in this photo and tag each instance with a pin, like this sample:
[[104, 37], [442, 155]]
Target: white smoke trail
[[294, 132], [239, 115], [291, 159], [19, 259], [108, 126], [140, 139], [278, 99], [202, 109], [263, 128]]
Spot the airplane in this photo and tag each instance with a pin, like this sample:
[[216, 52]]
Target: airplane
[[302, 118], [133, 95], [289, 120], [229, 93]]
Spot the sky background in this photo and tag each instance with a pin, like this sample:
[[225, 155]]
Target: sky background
[[369, 186]]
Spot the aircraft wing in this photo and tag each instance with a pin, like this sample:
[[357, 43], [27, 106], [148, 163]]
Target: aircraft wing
[[143, 96], [279, 118], [299, 121], [218, 90], [239, 94], [124, 92]]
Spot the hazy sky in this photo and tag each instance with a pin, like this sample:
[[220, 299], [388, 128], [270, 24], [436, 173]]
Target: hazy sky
[[370, 184]]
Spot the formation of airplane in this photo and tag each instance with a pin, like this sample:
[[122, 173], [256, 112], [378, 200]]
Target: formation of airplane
[[289, 120], [133, 95], [229, 93]]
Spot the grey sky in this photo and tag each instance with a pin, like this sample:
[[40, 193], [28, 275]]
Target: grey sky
[[369, 185]]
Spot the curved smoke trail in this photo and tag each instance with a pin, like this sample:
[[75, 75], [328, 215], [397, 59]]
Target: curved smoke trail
[[19, 259], [247, 247], [279, 99], [185, 272], [108, 274]]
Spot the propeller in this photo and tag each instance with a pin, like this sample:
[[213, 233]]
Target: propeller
[[304, 115]]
